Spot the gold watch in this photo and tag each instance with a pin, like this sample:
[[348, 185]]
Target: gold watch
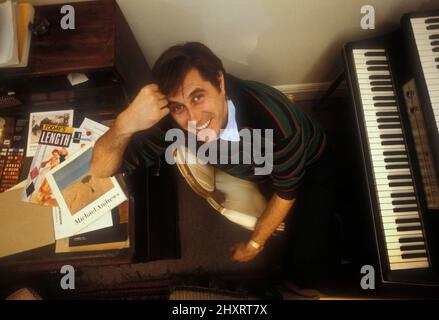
[[256, 245]]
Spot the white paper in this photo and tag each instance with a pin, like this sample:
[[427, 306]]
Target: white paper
[[8, 34], [34, 129], [97, 129], [63, 228]]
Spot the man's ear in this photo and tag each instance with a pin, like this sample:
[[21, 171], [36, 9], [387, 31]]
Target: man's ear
[[221, 81]]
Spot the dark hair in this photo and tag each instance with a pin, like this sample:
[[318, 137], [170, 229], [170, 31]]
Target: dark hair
[[173, 64]]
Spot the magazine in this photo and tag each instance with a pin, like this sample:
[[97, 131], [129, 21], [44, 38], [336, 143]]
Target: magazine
[[84, 197], [36, 122], [56, 144]]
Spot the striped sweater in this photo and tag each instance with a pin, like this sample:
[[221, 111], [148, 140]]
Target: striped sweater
[[297, 141]]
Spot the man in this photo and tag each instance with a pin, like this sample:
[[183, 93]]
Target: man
[[192, 85]]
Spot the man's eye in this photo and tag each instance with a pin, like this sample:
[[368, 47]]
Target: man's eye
[[176, 108], [198, 98]]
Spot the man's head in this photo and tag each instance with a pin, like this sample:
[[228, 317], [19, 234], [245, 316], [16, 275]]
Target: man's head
[[192, 78]]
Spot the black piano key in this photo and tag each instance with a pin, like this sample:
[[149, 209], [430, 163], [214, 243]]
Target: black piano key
[[413, 255], [389, 126], [412, 248], [387, 114], [402, 195], [436, 59], [401, 184], [399, 202], [392, 136], [394, 153], [382, 89], [436, 49], [411, 220], [384, 98], [378, 68], [379, 77], [397, 166], [431, 20], [433, 27], [381, 83], [411, 239], [433, 36], [408, 209], [384, 104], [377, 63], [391, 160], [398, 176], [392, 143], [375, 54], [387, 120], [435, 43], [412, 228]]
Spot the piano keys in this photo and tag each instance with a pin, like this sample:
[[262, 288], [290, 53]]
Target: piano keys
[[421, 93], [394, 198]]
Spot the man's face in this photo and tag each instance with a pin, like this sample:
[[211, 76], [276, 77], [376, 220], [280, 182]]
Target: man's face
[[199, 101]]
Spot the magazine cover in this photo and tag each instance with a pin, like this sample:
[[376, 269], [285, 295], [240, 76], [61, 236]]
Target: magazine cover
[[37, 120], [56, 144], [84, 197]]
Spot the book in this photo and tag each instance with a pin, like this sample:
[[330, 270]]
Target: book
[[36, 122], [62, 226], [11, 162], [85, 197], [114, 237], [56, 145], [25, 16]]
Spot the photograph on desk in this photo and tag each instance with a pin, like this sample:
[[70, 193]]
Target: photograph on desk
[[56, 144], [84, 197], [37, 120]]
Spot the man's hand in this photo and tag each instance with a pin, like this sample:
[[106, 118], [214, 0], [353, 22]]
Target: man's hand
[[148, 108], [243, 252]]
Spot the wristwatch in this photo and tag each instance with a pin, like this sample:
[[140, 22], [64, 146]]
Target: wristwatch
[[256, 245]]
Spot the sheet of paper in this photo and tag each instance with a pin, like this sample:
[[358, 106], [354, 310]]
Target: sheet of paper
[[63, 229], [8, 34], [97, 130]]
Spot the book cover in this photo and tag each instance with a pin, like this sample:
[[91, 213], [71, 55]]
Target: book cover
[[114, 237], [62, 225], [36, 122], [85, 197], [56, 144]]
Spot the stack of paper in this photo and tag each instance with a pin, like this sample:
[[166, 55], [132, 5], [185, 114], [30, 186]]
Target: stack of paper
[[15, 35]]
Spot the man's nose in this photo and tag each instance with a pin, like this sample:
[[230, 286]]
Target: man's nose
[[193, 115]]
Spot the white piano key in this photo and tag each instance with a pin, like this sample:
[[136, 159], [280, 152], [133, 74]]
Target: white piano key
[[422, 264]]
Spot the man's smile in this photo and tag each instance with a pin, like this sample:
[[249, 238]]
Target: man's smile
[[205, 125]]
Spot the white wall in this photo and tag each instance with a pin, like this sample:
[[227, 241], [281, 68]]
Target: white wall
[[276, 41]]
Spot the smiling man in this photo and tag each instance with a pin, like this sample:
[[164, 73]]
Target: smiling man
[[192, 85]]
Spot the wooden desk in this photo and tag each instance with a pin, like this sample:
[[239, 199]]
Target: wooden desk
[[103, 47]]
